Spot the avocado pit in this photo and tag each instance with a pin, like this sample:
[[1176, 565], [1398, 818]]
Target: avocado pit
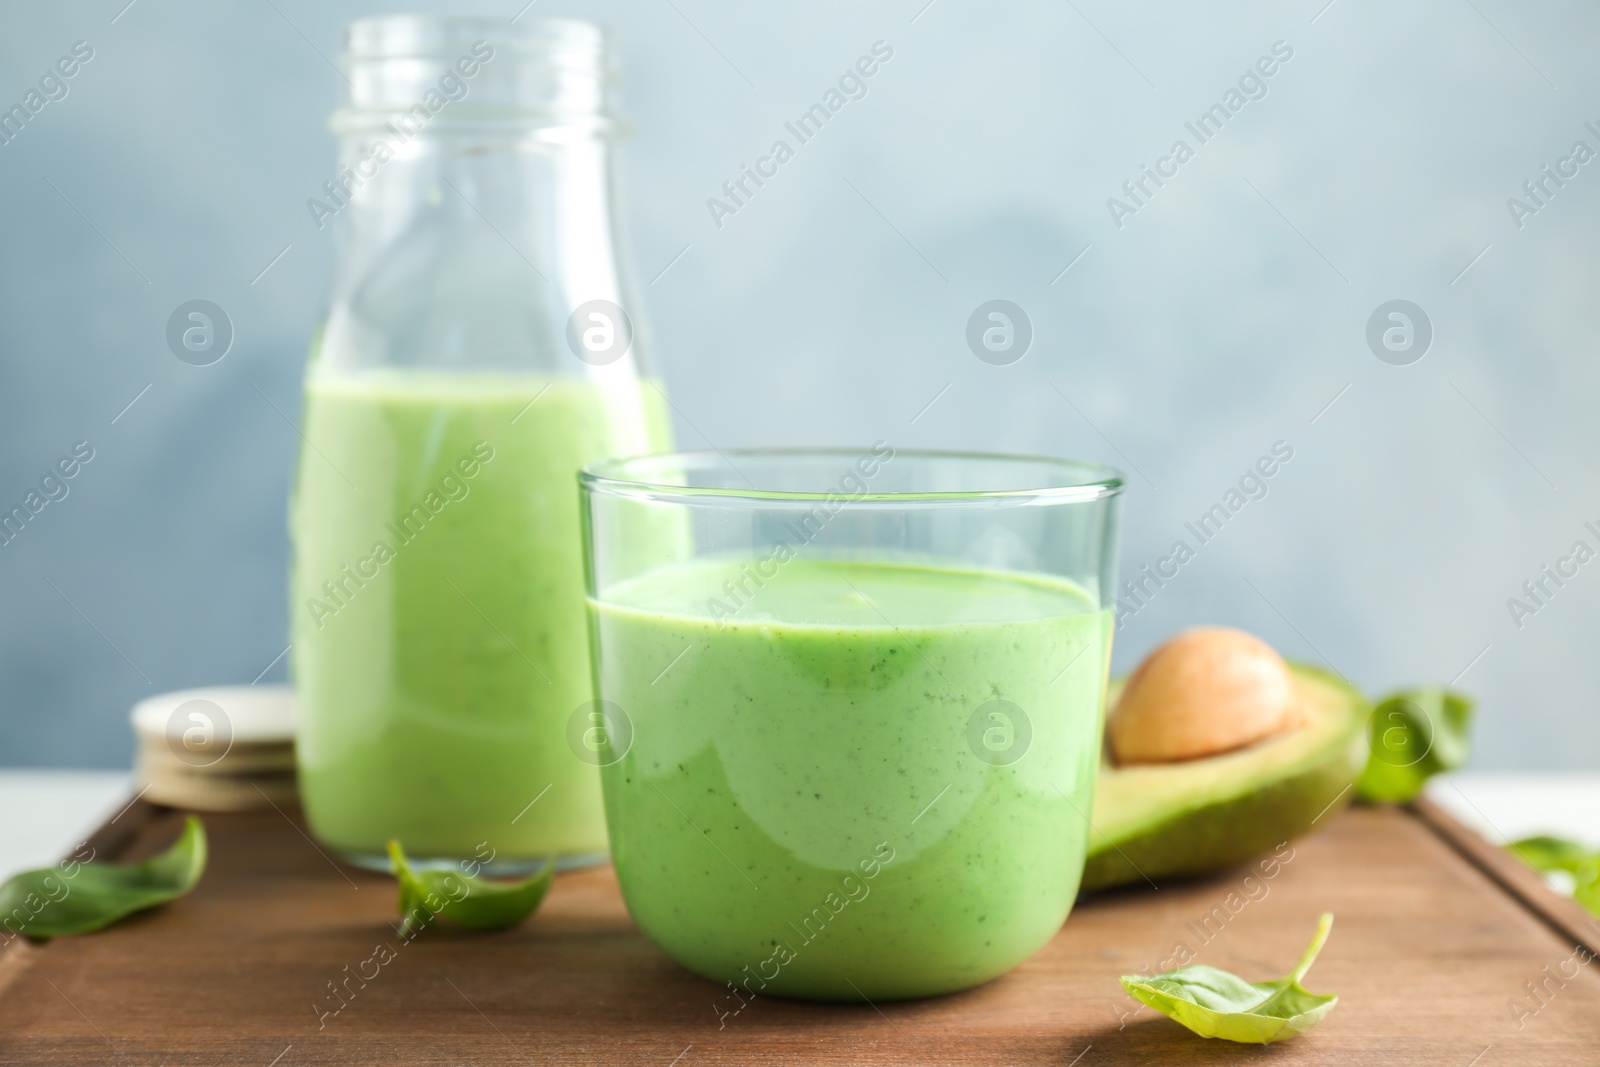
[[1207, 691]]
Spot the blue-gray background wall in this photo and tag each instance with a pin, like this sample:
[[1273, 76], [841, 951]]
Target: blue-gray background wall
[[1224, 316]]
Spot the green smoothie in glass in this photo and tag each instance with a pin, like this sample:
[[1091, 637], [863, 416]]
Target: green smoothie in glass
[[850, 778], [438, 621]]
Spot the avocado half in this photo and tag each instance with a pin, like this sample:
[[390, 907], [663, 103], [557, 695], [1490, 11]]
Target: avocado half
[[1165, 820]]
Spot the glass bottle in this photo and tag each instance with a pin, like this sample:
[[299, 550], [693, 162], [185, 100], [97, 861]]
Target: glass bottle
[[476, 353]]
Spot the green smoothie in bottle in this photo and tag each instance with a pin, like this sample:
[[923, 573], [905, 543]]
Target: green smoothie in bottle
[[438, 610]]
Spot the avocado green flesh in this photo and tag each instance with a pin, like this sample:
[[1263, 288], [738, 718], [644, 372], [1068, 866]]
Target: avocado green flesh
[[1156, 821]]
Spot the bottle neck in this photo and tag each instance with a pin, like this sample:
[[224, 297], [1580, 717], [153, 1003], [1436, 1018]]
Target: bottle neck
[[471, 209]]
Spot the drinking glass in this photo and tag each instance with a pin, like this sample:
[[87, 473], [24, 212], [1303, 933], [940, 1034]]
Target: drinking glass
[[849, 712]]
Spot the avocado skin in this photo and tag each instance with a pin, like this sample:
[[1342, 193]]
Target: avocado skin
[[1207, 837]]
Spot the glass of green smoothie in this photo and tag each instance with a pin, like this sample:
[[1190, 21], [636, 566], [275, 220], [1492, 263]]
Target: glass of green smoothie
[[480, 346], [849, 722]]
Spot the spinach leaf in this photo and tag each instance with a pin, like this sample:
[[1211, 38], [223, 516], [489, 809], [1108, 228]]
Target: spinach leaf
[[1557, 854], [1553, 854], [75, 898], [1416, 734], [1214, 1003], [1587, 891], [466, 899]]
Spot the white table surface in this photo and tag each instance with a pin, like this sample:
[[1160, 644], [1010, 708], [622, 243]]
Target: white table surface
[[59, 808]]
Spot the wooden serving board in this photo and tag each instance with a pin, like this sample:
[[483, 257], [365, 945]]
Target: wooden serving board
[[1436, 934]]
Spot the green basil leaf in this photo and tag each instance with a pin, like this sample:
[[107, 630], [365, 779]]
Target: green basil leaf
[[1558, 854], [464, 898], [75, 898], [1214, 1003], [1587, 891], [1415, 734], [1552, 854]]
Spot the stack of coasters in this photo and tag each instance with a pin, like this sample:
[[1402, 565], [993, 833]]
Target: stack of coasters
[[228, 748]]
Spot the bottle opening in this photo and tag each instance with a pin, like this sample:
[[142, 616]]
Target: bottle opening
[[464, 71]]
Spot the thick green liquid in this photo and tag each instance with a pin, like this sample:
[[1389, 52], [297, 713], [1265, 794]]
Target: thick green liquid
[[808, 808], [436, 673]]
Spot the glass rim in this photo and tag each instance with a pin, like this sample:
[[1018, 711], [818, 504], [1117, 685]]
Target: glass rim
[[618, 477]]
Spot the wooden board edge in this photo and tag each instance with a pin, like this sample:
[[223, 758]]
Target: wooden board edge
[[109, 840], [112, 837], [1522, 883]]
